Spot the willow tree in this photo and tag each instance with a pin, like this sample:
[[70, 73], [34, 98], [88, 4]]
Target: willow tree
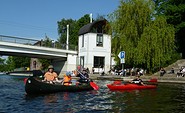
[[146, 38]]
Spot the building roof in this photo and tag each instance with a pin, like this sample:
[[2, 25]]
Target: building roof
[[94, 27]]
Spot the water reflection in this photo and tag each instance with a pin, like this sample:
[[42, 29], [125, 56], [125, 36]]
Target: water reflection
[[160, 100], [51, 98]]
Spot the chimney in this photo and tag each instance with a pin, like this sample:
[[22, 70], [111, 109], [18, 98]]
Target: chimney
[[91, 18]]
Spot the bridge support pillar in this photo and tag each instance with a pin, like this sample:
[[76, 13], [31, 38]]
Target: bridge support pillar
[[64, 65]]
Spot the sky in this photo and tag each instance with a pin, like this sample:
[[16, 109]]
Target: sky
[[34, 19]]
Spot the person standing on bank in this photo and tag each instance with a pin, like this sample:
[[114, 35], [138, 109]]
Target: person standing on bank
[[50, 76]]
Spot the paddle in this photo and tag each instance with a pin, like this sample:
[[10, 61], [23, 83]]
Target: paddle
[[36, 73], [153, 80], [93, 85], [25, 80]]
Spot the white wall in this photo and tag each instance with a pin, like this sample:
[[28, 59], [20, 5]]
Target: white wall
[[90, 50], [64, 65], [71, 62]]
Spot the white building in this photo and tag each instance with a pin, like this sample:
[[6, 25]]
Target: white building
[[94, 46]]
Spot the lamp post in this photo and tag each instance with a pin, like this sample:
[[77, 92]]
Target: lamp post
[[67, 40]]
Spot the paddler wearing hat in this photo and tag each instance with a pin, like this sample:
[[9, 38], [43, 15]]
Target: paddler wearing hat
[[50, 76]]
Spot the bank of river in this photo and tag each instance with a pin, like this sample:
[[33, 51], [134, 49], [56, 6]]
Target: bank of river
[[164, 79]]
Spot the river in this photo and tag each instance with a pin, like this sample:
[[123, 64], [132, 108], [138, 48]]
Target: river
[[167, 98]]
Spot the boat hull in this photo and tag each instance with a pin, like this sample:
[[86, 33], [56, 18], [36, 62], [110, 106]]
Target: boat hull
[[34, 86], [130, 87]]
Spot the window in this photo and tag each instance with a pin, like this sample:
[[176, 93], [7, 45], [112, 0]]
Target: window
[[82, 61], [99, 40], [99, 61], [82, 40]]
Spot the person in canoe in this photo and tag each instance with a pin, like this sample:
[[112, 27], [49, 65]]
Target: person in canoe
[[67, 79], [137, 80], [50, 76], [84, 77]]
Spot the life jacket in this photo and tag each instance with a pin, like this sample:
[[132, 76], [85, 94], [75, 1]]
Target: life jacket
[[50, 76], [67, 80], [137, 81]]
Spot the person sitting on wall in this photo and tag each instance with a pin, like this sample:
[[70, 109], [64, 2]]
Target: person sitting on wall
[[67, 79], [101, 71], [162, 72], [92, 70], [50, 76], [181, 72], [172, 71]]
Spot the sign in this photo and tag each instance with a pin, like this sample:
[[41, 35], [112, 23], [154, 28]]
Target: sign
[[121, 54], [122, 60]]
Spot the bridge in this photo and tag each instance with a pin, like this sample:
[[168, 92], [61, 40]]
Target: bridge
[[16, 46]]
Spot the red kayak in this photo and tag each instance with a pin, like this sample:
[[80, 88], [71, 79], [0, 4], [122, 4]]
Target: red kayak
[[129, 86]]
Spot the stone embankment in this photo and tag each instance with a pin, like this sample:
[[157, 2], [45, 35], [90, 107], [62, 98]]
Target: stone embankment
[[168, 78]]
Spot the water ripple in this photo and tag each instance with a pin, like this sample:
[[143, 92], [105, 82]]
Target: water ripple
[[167, 98]]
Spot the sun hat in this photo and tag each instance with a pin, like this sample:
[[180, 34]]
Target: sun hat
[[68, 73], [50, 67]]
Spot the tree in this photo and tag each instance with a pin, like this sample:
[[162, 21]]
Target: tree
[[62, 29], [47, 42], [14, 62], [2, 61], [20, 61], [45, 63], [10, 63], [74, 27], [174, 10], [146, 38], [2, 65], [80, 23], [156, 46]]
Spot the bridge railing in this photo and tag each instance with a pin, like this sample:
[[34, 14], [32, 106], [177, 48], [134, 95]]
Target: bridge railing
[[35, 42], [18, 40]]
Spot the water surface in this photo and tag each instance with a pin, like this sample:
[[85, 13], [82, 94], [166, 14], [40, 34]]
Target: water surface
[[167, 98]]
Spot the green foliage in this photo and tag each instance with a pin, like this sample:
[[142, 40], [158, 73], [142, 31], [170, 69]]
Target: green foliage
[[10, 64], [174, 10], [74, 27], [45, 63], [2, 61], [62, 29], [21, 61], [47, 42], [156, 45], [146, 38], [14, 62], [2, 65]]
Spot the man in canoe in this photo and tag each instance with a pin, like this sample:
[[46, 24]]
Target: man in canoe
[[84, 77], [137, 80], [50, 76]]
